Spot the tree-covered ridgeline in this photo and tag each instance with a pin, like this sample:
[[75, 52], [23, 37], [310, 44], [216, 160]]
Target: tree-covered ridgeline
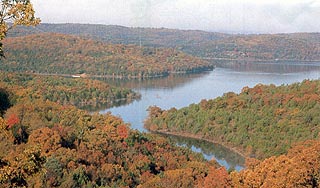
[[66, 91], [250, 47], [51, 53], [262, 121]]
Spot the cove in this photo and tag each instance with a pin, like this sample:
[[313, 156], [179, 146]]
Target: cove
[[180, 91]]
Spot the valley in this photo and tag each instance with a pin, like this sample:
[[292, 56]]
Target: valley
[[87, 105]]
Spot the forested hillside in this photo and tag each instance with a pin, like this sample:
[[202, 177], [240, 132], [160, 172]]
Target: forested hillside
[[155, 37], [265, 47], [298, 168], [44, 144], [262, 121], [66, 91], [296, 46], [65, 54]]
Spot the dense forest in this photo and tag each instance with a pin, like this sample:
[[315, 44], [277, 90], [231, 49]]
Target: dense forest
[[154, 37], [296, 46], [75, 91], [266, 47], [262, 121], [65, 54], [298, 168], [45, 144]]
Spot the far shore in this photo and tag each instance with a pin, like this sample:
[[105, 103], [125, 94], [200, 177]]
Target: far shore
[[162, 75]]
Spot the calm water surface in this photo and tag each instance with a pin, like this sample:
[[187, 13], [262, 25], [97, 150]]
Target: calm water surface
[[181, 91]]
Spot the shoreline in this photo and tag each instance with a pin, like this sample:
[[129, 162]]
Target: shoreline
[[260, 60], [198, 137], [120, 77]]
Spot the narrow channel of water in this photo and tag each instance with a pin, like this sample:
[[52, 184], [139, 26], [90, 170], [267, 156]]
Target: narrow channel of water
[[181, 91]]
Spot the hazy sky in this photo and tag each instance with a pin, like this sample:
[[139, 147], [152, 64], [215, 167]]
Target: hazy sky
[[262, 16]]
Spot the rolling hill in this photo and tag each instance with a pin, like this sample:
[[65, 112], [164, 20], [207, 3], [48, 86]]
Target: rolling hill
[[210, 45], [51, 53]]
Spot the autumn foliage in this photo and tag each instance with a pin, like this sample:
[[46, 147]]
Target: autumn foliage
[[219, 46], [76, 149], [299, 168], [14, 13], [262, 121], [12, 120], [45, 141], [45, 144], [66, 54], [49, 145], [66, 91]]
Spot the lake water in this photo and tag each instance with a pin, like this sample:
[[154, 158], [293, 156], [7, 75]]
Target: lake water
[[180, 91]]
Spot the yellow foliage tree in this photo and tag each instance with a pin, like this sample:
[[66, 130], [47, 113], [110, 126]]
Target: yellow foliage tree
[[3, 125], [15, 12]]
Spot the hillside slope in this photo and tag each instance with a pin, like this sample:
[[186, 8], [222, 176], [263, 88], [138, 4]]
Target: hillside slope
[[266, 47], [66, 91], [155, 37], [44, 144], [270, 47], [262, 121], [65, 54]]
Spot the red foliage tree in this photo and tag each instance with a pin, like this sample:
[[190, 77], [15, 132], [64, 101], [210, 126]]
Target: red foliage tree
[[12, 120], [122, 131]]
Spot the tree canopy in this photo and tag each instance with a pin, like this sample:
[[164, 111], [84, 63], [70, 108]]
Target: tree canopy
[[262, 121], [218, 46], [66, 54], [13, 13]]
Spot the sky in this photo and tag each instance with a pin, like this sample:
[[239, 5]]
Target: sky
[[235, 16]]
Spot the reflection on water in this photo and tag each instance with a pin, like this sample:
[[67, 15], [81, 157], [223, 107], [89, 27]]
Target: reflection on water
[[102, 106], [169, 82], [270, 67], [222, 155]]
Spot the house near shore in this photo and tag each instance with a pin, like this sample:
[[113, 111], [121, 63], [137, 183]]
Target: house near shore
[[84, 75]]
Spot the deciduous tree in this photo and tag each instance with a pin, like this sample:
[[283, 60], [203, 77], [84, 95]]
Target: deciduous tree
[[13, 13]]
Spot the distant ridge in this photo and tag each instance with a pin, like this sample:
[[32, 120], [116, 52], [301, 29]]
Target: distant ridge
[[209, 45], [124, 35]]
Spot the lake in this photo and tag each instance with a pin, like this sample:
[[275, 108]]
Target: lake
[[180, 91]]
